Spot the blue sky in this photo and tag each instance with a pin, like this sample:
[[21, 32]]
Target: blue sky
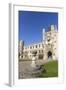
[[31, 24]]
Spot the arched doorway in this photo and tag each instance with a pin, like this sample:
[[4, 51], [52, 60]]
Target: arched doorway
[[49, 54]]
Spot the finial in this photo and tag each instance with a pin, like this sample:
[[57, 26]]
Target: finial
[[52, 27], [43, 30]]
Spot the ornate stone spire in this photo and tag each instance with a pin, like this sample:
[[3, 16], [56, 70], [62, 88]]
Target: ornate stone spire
[[43, 33]]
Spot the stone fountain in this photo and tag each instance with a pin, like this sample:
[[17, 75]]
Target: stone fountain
[[33, 64], [34, 67]]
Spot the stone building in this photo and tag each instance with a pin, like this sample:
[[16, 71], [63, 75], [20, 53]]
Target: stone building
[[47, 49]]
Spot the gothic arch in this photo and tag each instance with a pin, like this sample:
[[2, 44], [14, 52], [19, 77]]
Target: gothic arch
[[49, 54]]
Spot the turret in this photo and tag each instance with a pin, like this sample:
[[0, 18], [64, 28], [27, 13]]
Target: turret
[[52, 27], [43, 33], [21, 46]]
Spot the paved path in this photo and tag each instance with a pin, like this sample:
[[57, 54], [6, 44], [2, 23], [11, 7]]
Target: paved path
[[25, 69]]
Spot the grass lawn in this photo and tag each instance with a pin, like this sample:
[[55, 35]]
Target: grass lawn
[[50, 69]]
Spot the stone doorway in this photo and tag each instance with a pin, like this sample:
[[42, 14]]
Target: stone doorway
[[49, 54]]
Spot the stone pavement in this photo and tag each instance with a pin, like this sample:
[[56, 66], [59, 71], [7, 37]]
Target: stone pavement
[[25, 69]]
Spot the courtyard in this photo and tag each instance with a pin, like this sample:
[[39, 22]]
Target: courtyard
[[48, 69]]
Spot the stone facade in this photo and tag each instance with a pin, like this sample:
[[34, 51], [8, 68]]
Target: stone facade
[[47, 49]]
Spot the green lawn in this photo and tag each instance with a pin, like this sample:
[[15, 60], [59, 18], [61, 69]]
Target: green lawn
[[50, 69]]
